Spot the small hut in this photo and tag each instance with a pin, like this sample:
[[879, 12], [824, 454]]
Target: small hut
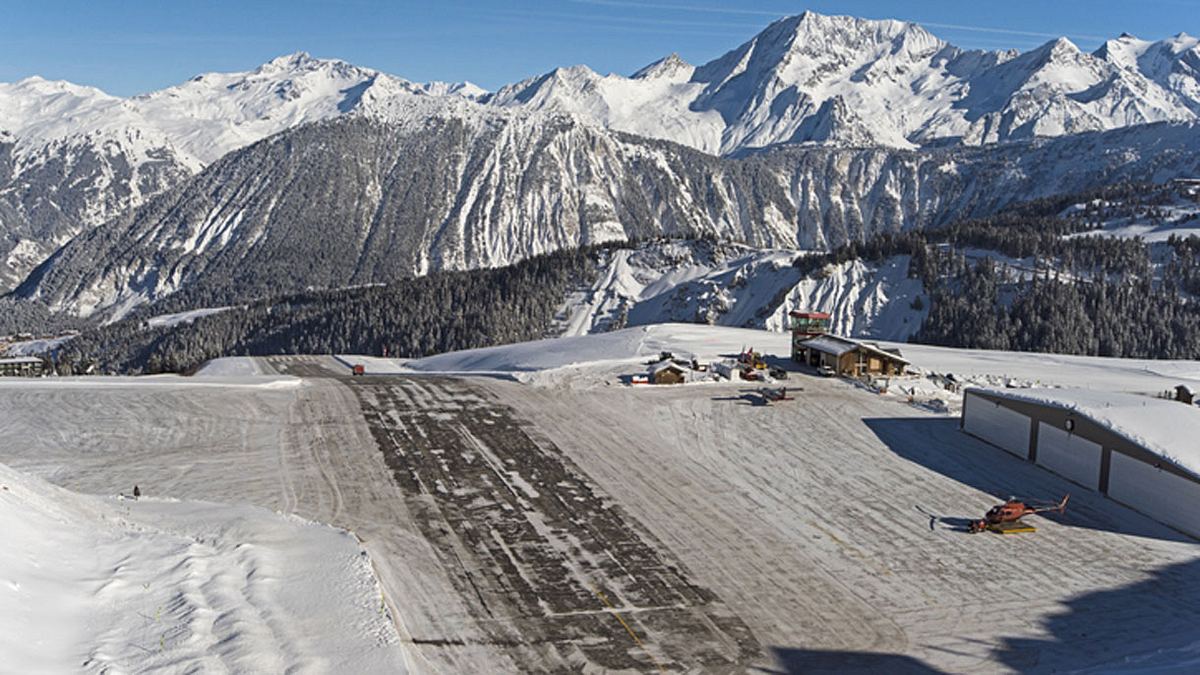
[[1185, 394], [667, 372]]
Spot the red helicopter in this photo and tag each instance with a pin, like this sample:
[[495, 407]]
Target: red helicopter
[[1006, 517]]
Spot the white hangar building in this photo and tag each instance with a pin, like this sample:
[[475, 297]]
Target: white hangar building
[[1140, 451]]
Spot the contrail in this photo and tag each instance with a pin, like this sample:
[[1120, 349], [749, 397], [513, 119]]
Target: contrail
[[759, 12]]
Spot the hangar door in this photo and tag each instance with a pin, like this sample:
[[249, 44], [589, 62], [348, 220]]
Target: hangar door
[[1004, 428], [1163, 496], [1069, 455]]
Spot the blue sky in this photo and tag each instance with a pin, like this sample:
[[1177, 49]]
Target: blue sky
[[131, 47]]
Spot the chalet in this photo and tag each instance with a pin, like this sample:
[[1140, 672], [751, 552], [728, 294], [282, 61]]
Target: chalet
[[21, 366], [1185, 394], [805, 326], [852, 358], [667, 372]]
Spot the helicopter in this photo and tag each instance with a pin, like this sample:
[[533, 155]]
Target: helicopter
[[1006, 518]]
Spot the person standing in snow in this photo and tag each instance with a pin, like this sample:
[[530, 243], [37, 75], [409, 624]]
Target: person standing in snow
[[136, 492]]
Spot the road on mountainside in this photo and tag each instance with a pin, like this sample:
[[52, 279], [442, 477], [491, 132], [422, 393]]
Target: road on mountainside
[[551, 572]]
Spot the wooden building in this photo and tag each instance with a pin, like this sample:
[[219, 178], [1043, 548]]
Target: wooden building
[[667, 372], [21, 366], [851, 358], [1185, 394]]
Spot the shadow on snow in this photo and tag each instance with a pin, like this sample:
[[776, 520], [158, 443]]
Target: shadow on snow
[[939, 445], [1150, 625]]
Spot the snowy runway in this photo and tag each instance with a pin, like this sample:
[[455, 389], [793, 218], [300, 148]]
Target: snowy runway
[[794, 536]]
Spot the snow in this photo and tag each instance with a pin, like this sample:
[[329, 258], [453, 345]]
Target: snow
[[1147, 376], [108, 584], [735, 496], [1167, 428], [206, 117], [830, 345], [170, 320], [230, 366], [724, 284], [805, 78], [236, 377], [38, 346], [863, 299], [1153, 215], [617, 349], [840, 79]]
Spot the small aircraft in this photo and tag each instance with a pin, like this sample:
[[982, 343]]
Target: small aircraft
[[775, 395], [1006, 518]]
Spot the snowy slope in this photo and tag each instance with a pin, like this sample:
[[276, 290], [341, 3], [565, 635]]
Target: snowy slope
[[360, 200], [1154, 217], [863, 300], [72, 156], [685, 281], [732, 285], [106, 585], [169, 320]]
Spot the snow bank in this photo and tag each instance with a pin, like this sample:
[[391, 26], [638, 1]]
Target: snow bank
[[165, 381], [1082, 372], [113, 585], [230, 366], [1167, 428], [621, 346]]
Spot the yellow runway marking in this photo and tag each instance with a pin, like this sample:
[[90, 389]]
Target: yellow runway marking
[[628, 629]]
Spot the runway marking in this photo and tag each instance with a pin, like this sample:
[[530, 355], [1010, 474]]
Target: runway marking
[[628, 629]]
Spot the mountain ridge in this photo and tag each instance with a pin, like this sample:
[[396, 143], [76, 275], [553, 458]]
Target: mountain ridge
[[76, 157]]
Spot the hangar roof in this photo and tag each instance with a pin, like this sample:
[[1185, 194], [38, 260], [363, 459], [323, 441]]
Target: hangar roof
[[1167, 428]]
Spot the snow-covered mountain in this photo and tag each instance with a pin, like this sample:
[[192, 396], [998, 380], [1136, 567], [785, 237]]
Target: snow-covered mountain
[[206, 117], [884, 108], [72, 157], [358, 200], [816, 78]]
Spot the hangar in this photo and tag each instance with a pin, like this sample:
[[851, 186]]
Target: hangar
[[1137, 450]]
